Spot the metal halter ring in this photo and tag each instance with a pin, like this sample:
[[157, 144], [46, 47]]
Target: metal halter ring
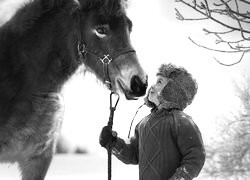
[[81, 47], [106, 59]]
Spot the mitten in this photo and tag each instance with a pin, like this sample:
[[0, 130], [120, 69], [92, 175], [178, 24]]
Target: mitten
[[107, 137]]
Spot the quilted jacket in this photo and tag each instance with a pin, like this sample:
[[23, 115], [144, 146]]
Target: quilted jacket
[[166, 143]]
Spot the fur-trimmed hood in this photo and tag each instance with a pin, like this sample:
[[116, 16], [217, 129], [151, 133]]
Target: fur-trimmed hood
[[179, 91]]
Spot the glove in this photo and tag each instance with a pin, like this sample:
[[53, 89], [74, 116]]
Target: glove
[[107, 137], [180, 174]]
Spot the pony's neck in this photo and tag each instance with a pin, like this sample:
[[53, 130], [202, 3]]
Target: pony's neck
[[37, 52]]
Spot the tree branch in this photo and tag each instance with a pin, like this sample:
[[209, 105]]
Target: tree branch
[[217, 12], [211, 17]]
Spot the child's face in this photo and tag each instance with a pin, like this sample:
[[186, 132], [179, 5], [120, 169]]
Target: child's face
[[155, 89]]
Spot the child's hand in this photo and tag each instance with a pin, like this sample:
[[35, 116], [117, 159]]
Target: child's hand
[[175, 178], [107, 137], [180, 174]]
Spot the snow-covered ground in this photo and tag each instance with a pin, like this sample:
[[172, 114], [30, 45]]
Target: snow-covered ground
[[78, 167]]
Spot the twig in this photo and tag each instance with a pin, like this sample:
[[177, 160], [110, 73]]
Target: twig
[[243, 53], [245, 1], [207, 8], [213, 32], [211, 49], [180, 17]]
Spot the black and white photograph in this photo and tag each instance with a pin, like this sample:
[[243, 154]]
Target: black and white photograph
[[124, 89]]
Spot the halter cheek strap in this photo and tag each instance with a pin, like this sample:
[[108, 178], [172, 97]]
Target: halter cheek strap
[[105, 59], [105, 62]]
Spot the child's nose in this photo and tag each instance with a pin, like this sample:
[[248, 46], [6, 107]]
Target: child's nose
[[151, 88]]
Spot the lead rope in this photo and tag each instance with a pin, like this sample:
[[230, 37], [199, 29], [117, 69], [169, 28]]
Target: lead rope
[[110, 125], [134, 119]]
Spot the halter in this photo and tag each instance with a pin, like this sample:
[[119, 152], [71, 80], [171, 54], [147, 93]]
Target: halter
[[106, 59]]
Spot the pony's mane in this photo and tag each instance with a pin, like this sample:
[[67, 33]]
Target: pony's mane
[[31, 11]]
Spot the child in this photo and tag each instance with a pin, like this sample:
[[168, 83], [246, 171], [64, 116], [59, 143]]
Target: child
[[167, 144]]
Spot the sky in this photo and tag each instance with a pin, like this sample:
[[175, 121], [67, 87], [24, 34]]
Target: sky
[[158, 37]]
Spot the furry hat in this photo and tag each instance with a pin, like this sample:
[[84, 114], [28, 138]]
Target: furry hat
[[179, 91]]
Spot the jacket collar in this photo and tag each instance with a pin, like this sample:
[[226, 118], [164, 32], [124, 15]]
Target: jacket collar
[[167, 104]]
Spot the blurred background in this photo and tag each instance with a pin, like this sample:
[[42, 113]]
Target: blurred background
[[158, 37]]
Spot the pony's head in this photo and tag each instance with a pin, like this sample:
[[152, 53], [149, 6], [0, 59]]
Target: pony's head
[[55, 36], [105, 36]]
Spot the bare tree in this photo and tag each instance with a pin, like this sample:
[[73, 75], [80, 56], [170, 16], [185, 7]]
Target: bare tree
[[232, 15], [229, 155]]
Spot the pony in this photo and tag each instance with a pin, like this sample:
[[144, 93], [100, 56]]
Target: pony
[[41, 47]]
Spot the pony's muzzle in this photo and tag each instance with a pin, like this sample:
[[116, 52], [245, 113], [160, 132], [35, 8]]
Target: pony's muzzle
[[138, 87]]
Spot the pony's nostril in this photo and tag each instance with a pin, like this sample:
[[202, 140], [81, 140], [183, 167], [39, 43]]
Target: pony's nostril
[[137, 86]]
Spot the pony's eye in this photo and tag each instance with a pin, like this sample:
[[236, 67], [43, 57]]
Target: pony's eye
[[159, 82], [101, 31]]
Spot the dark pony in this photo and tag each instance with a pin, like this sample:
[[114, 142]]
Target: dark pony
[[41, 46]]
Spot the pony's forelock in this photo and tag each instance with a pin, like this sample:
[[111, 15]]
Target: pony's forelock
[[112, 7]]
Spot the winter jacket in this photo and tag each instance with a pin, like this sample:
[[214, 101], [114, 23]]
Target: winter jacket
[[167, 143]]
